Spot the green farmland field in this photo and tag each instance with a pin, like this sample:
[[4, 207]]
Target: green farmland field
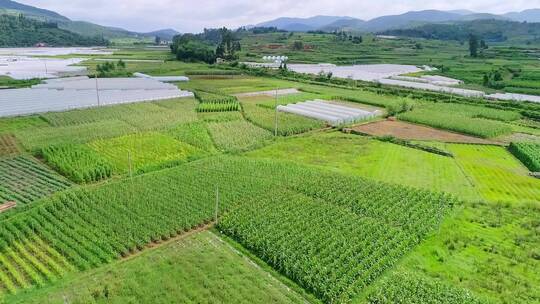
[[198, 268], [220, 210]]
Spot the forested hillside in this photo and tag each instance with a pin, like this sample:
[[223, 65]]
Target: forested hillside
[[18, 31], [489, 30]]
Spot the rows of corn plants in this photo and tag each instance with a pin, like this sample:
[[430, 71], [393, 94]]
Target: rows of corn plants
[[334, 235], [8, 145], [24, 180], [80, 228], [214, 102], [528, 154], [77, 162]]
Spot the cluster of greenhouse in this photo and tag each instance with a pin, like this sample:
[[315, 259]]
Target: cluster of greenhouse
[[82, 92], [514, 97], [22, 67], [432, 87], [333, 114], [55, 51], [366, 72]]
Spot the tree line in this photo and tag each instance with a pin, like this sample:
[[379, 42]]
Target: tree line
[[18, 31], [207, 46]]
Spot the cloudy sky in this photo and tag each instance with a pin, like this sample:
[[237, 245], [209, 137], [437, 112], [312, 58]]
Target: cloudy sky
[[192, 16]]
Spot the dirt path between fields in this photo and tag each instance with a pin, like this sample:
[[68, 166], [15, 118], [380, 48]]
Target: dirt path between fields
[[409, 131]]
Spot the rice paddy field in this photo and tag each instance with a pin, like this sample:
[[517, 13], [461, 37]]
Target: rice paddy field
[[204, 200]]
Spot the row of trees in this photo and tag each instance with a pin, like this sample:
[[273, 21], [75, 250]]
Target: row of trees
[[207, 46], [476, 46], [19, 31]]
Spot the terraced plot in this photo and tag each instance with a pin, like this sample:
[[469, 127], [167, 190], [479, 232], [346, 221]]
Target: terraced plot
[[24, 180], [144, 152], [497, 175]]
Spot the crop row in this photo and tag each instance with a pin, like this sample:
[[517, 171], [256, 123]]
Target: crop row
[[24, 180], [78, 162], [528, 154], [218, 107]]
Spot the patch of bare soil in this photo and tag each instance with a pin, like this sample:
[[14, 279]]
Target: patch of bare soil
[[410, 131]]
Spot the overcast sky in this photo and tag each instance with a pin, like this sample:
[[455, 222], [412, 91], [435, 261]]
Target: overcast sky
[[193, 16]]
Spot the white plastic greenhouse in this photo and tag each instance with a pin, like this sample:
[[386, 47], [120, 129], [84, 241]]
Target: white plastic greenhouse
[[75, 93], [515, 97], [432, 87], [331, 113]]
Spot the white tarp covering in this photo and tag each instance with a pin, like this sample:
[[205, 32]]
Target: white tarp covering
[[331, 113], [163, 78], [432, 87], [53, 51], [367, 72], [514, 97], [80, 92], [22, 67]]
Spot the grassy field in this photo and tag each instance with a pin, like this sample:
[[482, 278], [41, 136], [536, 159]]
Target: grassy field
[[485, 248], [370, 158], [143, 152], [497, 175], [196, 268]]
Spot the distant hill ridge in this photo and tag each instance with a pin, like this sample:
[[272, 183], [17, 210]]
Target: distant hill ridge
[[383, 23], [8, 7]]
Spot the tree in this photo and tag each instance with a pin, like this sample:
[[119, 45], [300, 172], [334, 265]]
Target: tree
[[298, 45], [357, 40], [473, 46], [157, 40]]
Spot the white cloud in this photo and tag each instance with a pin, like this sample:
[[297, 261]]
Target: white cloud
[[187, 16]]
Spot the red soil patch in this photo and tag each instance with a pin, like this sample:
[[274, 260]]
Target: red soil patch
[[410, 131], [8, 145]]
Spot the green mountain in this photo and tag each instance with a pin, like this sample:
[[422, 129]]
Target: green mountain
[[491, 30], [19, 31], [8, 7]]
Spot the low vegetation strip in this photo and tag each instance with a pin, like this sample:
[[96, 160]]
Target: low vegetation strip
[[480, 127], [78, 162], [528, 154], [220, 275], [24, 180], [143, 152], [410, 288]]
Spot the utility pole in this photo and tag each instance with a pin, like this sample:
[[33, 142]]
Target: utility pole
[[46, 69], [276, 119], [217, 204], [130, 167], [97, 90]]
